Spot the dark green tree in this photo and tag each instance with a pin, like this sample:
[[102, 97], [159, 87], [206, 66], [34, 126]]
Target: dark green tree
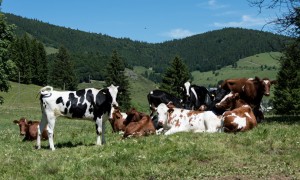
[[175, 76], [287, 91], [62, 71], [115, 74], [6, 38]]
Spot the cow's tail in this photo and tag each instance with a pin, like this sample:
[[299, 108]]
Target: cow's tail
[[46, 91]]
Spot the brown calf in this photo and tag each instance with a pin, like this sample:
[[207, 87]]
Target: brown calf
[[118, 120], [29, 129], [139, 124], [240, 118]]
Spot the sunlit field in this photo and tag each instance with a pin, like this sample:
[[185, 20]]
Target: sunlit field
[[270, 151]]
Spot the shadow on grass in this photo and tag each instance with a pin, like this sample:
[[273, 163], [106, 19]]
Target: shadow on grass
[[68, 144], [283, 119]]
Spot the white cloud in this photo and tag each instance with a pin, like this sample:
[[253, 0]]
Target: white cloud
[[246, 21], [179, 33], [212, 4]]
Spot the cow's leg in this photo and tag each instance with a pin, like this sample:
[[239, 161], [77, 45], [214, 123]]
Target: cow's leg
[[173, 130], [41, 126], [50, 130], [100, 131]]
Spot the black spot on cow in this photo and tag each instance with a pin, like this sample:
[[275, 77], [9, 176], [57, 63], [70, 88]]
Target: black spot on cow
[[60, 100], [80, 94], [76, 109]]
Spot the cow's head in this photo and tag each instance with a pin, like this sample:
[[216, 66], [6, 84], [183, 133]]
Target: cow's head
[[162, 113], [23, 124], [266, 83], [227, 101], [186, 89], [113, 90]]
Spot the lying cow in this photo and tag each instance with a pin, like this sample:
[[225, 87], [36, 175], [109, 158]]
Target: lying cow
[[240, 118], [118, 120], [139, 124], [175, 120], [87, 103], [29, 129]]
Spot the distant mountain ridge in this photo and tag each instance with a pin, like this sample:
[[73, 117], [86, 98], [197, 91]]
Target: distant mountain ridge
[[208, 51]]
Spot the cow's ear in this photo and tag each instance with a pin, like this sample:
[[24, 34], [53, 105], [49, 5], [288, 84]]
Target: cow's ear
[[16, 122], [274, 82]]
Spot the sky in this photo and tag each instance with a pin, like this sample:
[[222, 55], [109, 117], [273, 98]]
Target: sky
[[152, 21]]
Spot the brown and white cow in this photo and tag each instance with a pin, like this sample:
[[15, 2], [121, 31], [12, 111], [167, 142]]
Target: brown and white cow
[[118, 120], [251, 90], [139, 124], [29, 129], [240, 117], [175, 120]]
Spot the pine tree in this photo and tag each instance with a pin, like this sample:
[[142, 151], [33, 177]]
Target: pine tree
[[6, 38], [115, 74], [62, 74], [175, 76], [287, 91]]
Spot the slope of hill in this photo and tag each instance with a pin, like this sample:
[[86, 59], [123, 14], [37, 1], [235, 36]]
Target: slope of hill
[[261, 65], [203, 52]]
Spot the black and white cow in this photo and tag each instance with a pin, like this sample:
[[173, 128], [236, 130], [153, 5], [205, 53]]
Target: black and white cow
[[196, 97], [87, 103], [157, 97]]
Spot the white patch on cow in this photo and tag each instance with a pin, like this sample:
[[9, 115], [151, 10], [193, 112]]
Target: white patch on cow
[[266, 82], [113, 90], [240, 121], [224, 98], [187, 87], [194, 92], [243, 88], [251, 79], [151, 92], [248, 115]]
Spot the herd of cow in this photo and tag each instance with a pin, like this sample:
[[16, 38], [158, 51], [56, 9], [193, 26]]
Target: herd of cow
[[233, 107]]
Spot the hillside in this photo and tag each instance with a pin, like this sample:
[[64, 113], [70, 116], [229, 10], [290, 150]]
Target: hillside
[[202, 52]]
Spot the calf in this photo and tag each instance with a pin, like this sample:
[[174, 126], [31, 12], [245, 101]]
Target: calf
[[240, 118], [251, 90], [175, 120], [118, 120], [29, 129], [87, 103], [143, 127]]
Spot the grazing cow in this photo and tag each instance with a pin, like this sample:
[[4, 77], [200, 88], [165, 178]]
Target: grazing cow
[[196, 97], [87, 103], [29, 129], [181, 120], [251, 91], [118, 120], [139, 124], [157, 96], [240, 118]]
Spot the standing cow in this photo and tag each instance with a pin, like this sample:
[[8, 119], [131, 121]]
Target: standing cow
[[86, 103]]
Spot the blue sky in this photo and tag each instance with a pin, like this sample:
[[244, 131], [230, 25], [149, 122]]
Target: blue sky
[[144, 20]]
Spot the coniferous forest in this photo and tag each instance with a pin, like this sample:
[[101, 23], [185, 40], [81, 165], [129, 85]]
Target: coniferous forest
[[203, 52]]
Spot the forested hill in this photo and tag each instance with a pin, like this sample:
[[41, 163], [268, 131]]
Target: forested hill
[[202, 52]]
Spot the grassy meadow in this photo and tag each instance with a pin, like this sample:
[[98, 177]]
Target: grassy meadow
[[270, 151]]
